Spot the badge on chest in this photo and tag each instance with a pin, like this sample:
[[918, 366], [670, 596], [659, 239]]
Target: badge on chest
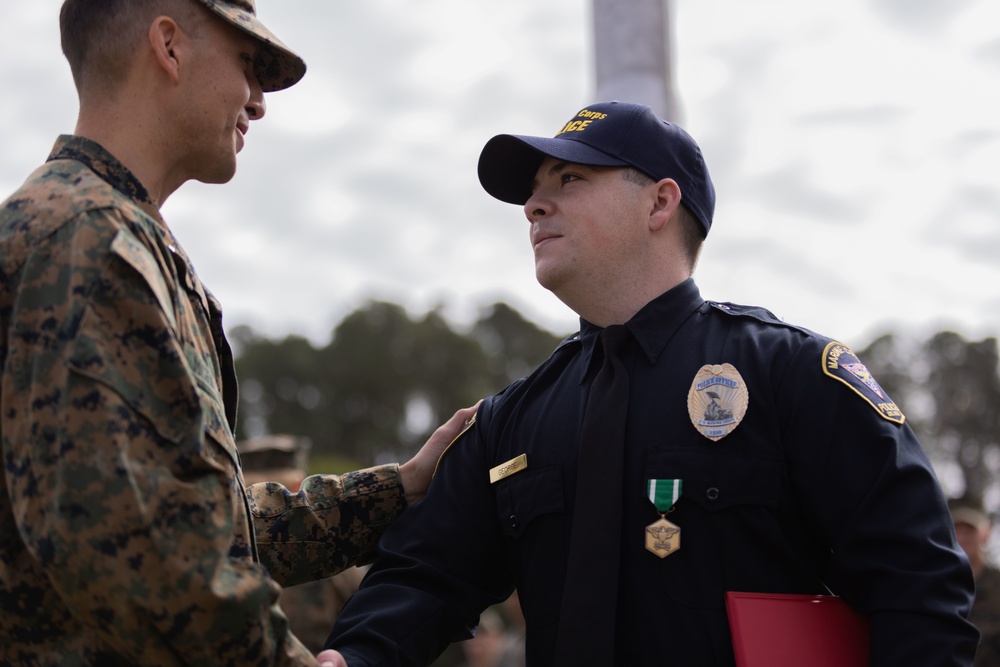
[[717, 400]]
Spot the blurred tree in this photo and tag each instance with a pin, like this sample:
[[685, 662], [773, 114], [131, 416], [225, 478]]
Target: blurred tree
[[966, 420], [394, 379], [949, 390], [282, 389], [513, 345], [369, 364], [384, 381]]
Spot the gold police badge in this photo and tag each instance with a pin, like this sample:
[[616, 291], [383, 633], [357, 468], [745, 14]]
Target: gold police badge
[[717, 401]]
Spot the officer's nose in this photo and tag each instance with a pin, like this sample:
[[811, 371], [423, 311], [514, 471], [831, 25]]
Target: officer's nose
[[536, 207]]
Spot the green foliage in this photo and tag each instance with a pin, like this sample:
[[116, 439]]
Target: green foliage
[[333, 464], [384, 381]]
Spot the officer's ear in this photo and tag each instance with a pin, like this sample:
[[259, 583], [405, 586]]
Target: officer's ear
[[666, 199]]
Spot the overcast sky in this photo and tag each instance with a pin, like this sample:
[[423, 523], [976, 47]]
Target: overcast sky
[[855, 149]]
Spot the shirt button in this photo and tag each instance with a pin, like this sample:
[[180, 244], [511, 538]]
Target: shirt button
[[513, 521], [712, 493]]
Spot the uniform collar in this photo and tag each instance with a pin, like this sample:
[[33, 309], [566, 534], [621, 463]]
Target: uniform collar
[[96, 158], [105, 165], [653, 326]]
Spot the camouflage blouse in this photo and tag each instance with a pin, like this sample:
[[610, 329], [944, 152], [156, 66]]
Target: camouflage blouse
[[127, 534]]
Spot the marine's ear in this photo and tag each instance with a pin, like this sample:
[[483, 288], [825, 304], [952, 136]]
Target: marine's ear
[[166, 39]]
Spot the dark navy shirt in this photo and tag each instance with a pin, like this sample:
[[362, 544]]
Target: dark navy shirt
[[820, 488]]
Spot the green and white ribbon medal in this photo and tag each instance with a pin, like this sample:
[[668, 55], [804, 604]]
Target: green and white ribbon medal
[[662, 537]]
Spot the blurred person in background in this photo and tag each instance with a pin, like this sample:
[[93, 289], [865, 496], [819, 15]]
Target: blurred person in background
[[973, 527]]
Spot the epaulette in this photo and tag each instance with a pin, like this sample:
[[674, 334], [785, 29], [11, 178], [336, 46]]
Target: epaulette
[[838, 361], [757, 313], [572, 338]]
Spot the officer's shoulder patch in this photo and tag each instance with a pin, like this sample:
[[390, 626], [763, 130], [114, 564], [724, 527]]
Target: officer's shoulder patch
[[840, 363]]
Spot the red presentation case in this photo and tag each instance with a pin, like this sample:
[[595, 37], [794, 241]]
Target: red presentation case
[[775, 630]]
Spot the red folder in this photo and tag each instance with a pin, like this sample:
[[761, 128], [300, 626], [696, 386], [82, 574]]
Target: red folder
[[772, 630]]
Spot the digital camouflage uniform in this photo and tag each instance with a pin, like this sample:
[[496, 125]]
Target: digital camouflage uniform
[[126, 528], [985, 616]]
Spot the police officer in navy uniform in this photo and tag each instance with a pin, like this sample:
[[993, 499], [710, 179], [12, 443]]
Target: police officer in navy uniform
[[757, 455]]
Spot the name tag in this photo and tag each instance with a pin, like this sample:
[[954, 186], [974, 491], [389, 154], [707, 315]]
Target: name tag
[[509, 468]]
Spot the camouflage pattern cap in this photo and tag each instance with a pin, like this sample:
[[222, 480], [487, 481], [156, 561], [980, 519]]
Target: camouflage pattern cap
[[277, 66]]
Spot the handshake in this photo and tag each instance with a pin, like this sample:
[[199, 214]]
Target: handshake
[[330, 658]]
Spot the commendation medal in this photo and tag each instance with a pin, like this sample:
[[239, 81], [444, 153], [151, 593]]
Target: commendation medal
[[662, 537]]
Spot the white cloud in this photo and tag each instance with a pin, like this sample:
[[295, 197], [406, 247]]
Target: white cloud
[[854, 147]]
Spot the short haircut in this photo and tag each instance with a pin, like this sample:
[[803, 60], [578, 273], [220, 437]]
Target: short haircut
[[633, 175], [100, 37], [692, 232]]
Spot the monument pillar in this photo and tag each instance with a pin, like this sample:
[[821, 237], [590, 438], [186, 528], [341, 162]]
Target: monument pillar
[[632, 54]]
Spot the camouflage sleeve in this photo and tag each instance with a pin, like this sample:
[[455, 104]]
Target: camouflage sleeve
[[332, 523], [121, 477]]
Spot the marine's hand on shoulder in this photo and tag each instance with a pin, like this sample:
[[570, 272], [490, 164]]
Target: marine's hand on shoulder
[[330, 658], [416, 473]]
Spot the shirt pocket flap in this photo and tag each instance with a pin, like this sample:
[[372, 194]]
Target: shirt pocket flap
[[719, 480], [527, 495]]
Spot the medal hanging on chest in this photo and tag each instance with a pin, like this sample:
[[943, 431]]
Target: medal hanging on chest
[[662, 537]]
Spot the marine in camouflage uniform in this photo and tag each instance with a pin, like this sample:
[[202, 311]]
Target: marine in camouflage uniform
[[127, 533], [127, 530]]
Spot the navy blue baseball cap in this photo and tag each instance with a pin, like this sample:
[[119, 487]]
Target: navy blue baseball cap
[[610, 134]]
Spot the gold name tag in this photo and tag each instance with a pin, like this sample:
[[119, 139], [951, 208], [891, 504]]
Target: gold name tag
[[507, 469]]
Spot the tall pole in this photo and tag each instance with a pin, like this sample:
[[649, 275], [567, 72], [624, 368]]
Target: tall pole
[[632, 54]]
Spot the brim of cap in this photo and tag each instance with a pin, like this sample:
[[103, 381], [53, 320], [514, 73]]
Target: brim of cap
[[971, 517], [277, 67], [509, 162]]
